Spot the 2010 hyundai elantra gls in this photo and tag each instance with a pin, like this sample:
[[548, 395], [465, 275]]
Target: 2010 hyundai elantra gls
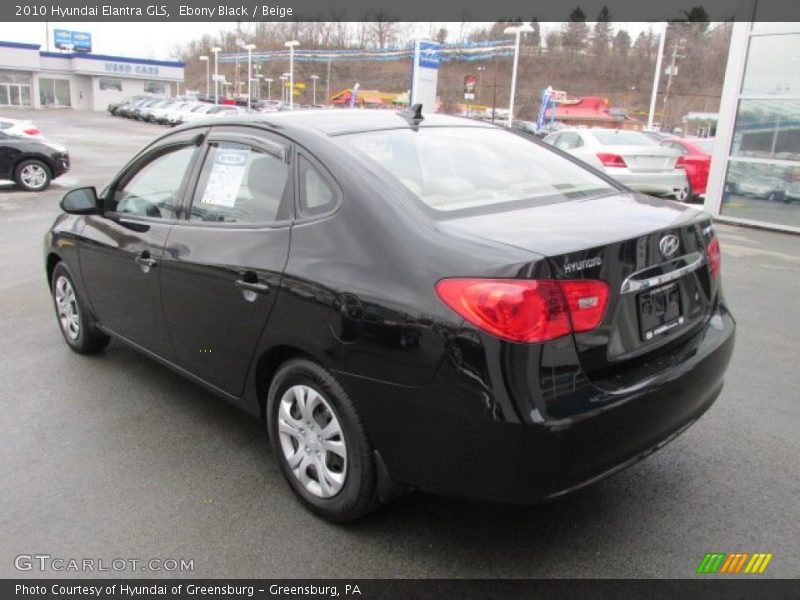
[[408, 302]]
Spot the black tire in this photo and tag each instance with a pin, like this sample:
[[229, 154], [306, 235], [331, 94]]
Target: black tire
[[358, 494], [776, 197], [87, 339], [689, 193], [26, 182]]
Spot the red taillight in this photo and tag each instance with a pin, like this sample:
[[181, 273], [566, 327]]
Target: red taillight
[[680, 163], [611, 160], [33, 131], [526, 310], [714, 257]]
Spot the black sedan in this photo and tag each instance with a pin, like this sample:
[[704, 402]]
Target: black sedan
[[408, 303], [32, 162]]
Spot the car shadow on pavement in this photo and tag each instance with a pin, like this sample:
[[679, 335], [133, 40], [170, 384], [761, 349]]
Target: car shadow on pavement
[[454, 534]]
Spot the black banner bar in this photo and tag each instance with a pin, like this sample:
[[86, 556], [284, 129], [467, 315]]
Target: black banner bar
[[392, 10], [393, 589]]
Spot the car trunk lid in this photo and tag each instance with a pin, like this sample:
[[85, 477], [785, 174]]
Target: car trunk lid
[[651, 253], [644, 159]]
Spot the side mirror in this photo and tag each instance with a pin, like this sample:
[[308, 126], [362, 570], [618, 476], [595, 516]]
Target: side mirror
[[81, 201]]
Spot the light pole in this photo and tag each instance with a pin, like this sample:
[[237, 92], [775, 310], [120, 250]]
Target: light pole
[[291, 44], [216, 50], [259, 79], [656, 77], [672, 70], [517, 30], [249, 48], [269, 81], [478, 95], [204, 59], [314, 93]]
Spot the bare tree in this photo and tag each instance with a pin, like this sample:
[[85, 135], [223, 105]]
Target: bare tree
[[383, 29]]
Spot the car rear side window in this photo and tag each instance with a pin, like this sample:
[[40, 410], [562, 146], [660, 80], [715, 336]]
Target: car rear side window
[[152, 190], [316, 194], [242, 184], [461, 168]]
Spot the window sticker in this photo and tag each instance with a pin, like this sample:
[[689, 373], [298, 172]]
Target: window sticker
[[227, 172]]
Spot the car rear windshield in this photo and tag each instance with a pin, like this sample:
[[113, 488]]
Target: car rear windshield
[[459, 168], [616, 137]]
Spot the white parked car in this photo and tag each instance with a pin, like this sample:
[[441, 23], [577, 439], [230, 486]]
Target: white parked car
[[630, 157], [199, 111], [20, 128], [175, 115], [216, 110]]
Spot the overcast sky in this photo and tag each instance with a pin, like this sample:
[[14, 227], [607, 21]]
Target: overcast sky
[[158, 40]]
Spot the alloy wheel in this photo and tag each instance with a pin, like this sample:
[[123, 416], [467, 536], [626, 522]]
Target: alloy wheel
[[312, 441], [67, 307], [33, 176]]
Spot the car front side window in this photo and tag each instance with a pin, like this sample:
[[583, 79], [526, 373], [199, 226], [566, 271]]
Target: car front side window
[[242, 184], [152, 189]]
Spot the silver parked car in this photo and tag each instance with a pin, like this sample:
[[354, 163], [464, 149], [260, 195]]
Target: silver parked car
[[630, 157], [761, 186], [792, 192]]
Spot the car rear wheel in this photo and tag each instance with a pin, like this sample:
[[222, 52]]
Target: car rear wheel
[[686, 194], [78, 332], [775, 197], [32, 175], [320, 443]]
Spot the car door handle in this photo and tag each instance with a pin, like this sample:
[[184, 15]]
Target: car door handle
[[247, 286], [146, 262], [143, 260]]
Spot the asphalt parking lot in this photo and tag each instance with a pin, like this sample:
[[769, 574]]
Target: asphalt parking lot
[[115, 456]]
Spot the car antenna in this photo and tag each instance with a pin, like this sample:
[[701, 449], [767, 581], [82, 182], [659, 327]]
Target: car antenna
[[413, 114]]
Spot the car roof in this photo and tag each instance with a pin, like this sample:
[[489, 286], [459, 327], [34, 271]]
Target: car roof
[[341, 121]]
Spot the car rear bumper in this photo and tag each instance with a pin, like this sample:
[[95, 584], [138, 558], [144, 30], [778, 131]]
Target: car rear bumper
[[428, 443]]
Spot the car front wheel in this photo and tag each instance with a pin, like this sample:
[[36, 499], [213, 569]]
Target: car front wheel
[[72, 317], [32, 175], [320, 443]]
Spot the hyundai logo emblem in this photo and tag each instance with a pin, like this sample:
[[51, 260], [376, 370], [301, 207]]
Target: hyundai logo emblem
[[668, 245]]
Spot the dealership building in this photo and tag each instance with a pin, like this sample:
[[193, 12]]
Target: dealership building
[[755, 171], [33, 78]]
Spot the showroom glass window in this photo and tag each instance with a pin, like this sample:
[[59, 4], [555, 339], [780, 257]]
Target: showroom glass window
[[54, 92], [155, 87], [242, 184], [762, 179], [110, 83], [15, 89], [152, 189]]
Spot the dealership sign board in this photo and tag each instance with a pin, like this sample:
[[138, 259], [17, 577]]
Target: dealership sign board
[[470, 81], [79, 41], [425, 74]]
